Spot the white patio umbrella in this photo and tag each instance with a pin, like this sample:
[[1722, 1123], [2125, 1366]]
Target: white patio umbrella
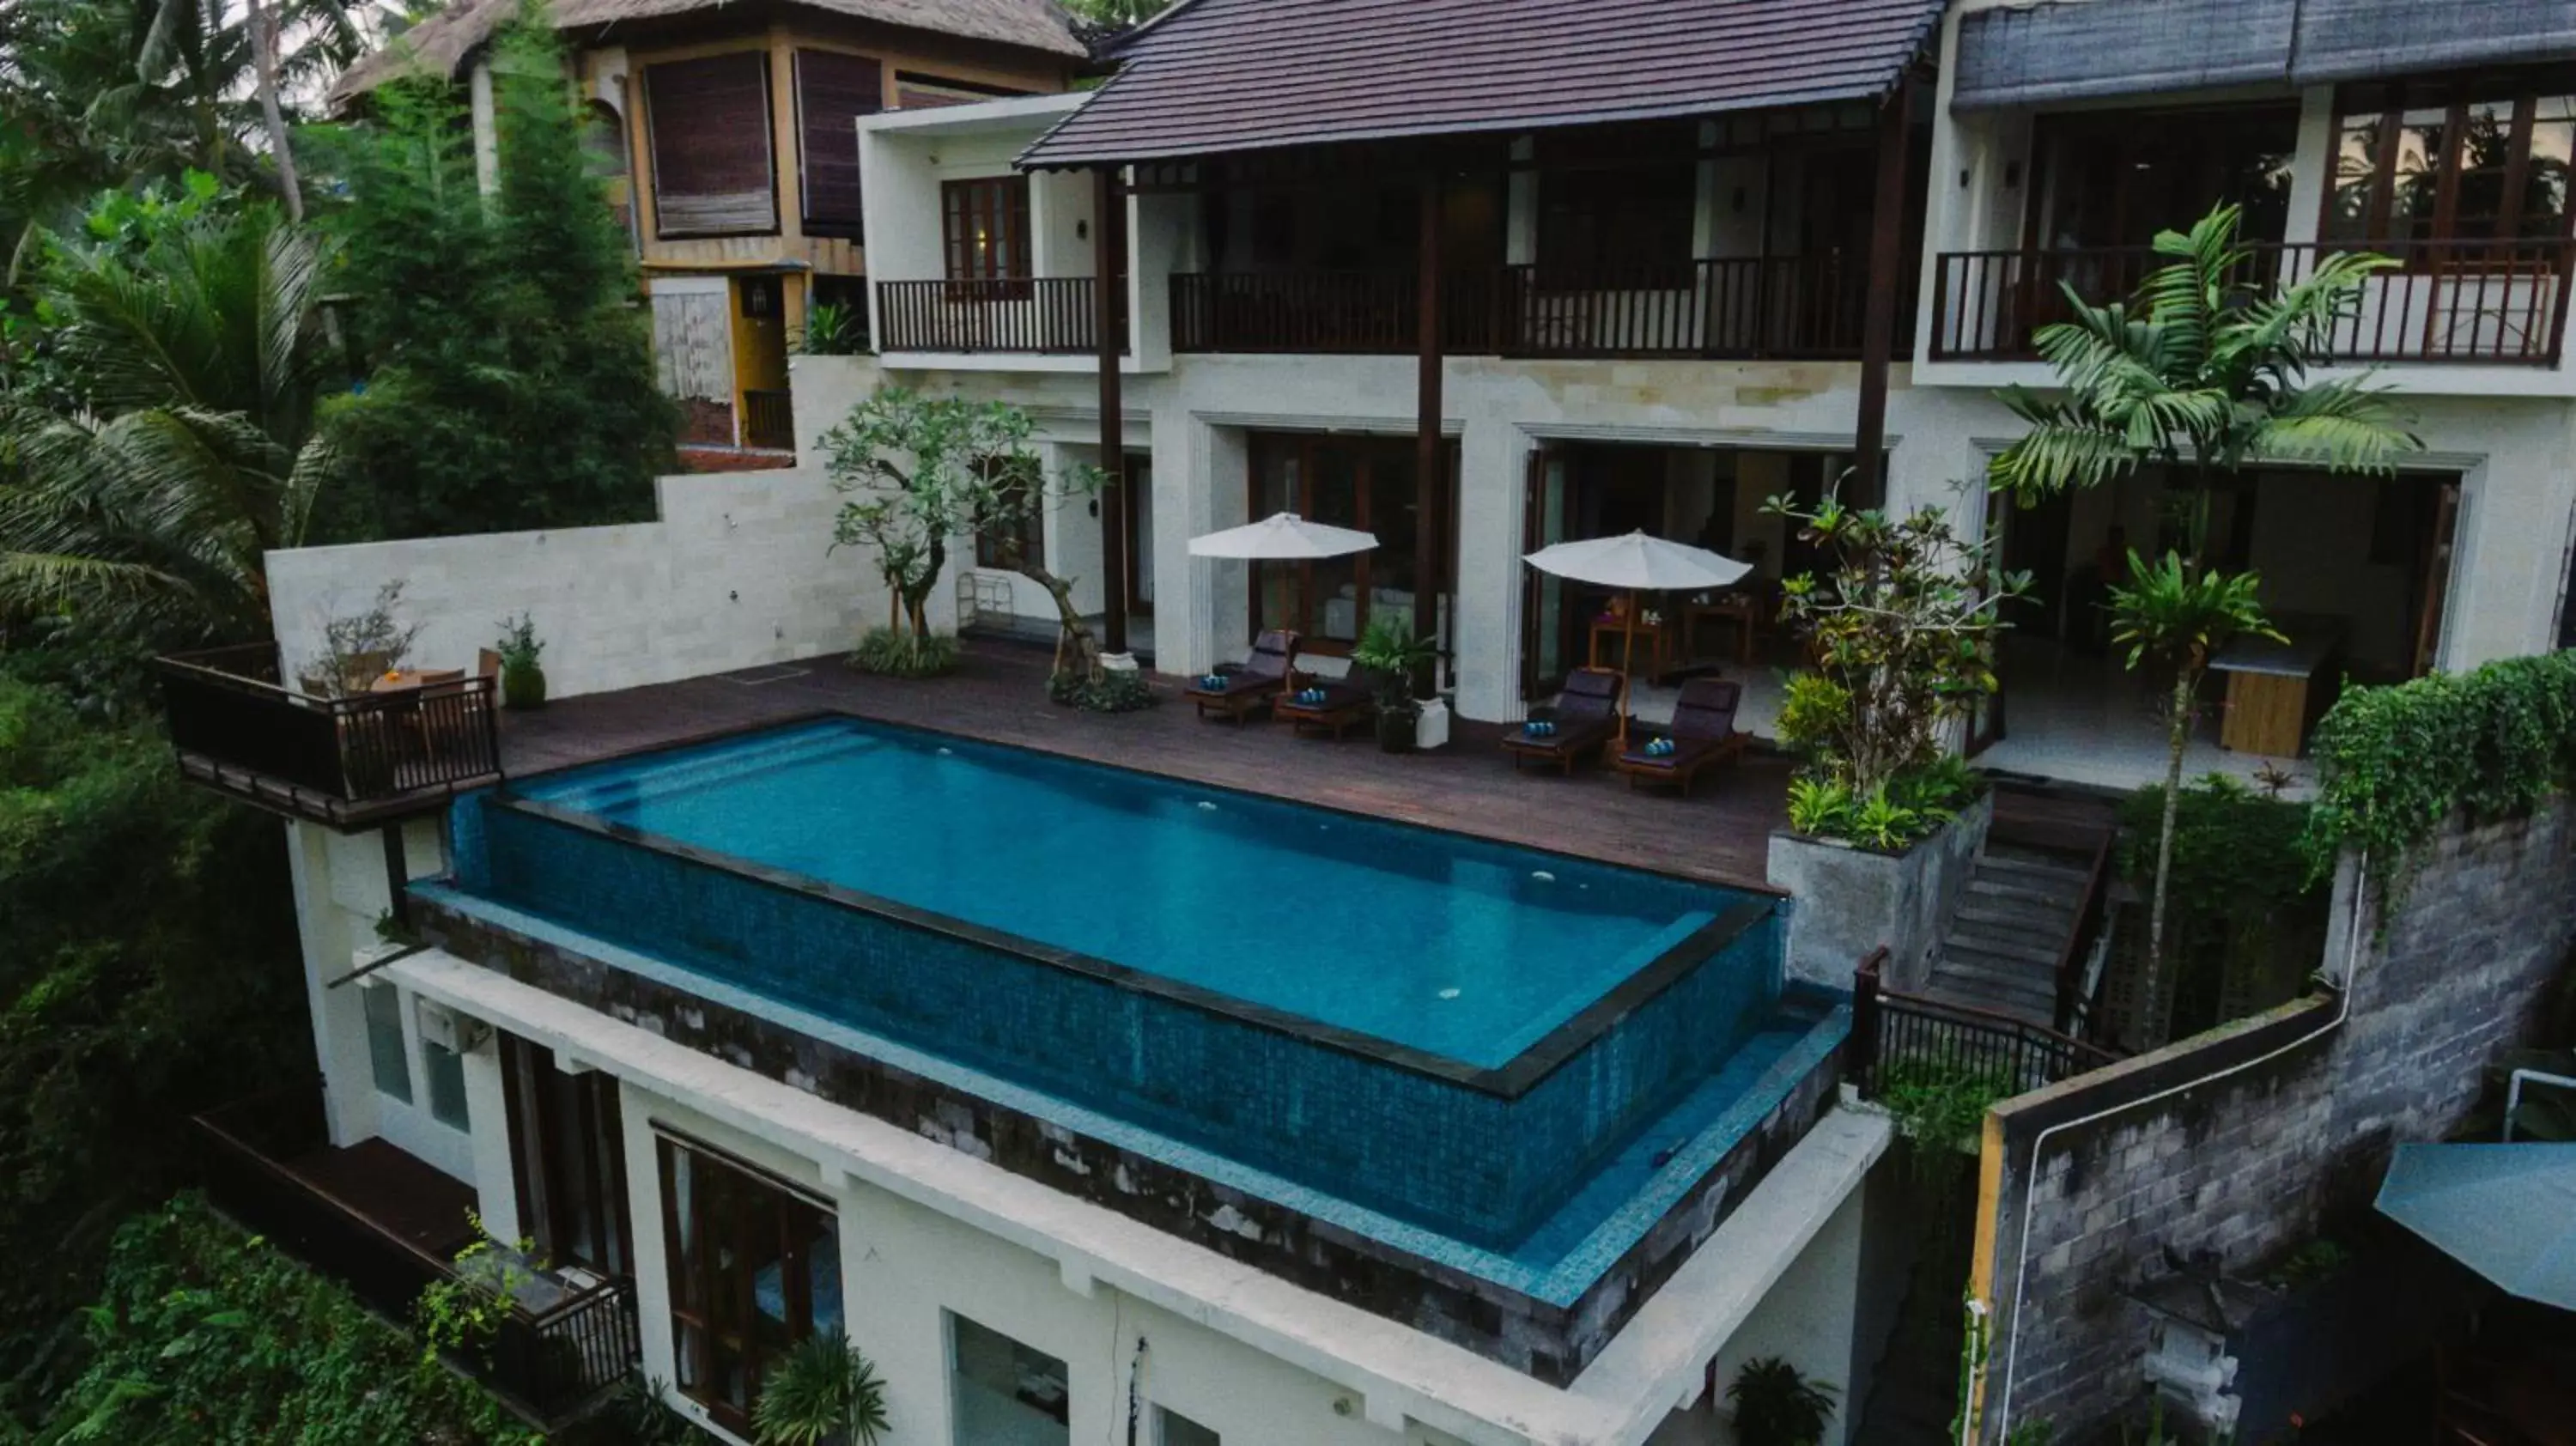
[[1283, 537], [1637, 563]]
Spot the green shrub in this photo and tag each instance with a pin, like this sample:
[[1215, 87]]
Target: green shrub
[[894, 654], [207, 1336], [1777, 1405], [2394, 762], [1117, 691], [1941, 1105]]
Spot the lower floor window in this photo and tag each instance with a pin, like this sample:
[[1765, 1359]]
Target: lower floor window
[[383, 1005], [1171, 1428], [446, 1071], [755, 1268], [1005, 1391]]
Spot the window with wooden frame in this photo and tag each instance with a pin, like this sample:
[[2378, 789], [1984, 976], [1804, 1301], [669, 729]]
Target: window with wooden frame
[[707, 122], [2452, 159], [755, 1267], [984, 231], [832, 91], [1361, 482]]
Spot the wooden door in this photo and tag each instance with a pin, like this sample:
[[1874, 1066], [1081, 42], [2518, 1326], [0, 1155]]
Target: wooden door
[[568, 1153], [2438, 549], [1544, 520]]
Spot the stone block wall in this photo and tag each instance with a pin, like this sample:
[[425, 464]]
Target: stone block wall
[[2237, 1143], [737, 570]]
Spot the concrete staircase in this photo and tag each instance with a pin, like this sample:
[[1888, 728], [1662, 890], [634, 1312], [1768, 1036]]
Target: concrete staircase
[[2012, 922]]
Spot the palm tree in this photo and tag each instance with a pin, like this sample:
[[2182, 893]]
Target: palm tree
[[821, 1393], [192, 450], [2204, 372]]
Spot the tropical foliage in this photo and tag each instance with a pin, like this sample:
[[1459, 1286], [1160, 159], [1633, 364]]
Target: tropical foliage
[[822, 1391], [1777, 1405], [1900, 635], [508, 373], [2393, 763], [167, 441], [2244, 920], [149, 972], [206, 1336], [2203, 373]]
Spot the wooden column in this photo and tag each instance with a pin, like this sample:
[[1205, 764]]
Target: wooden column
[[1886, 284], [1108, 270], [1431, 475]]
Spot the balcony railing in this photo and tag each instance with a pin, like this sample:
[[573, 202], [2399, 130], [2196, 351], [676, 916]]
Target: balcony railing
[[1895, 1035], [547, 1365], [1051, 314], [1742, 307], [2495, 303], [343, 761]]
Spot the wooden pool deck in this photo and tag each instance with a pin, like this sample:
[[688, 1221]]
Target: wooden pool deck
[[1720, 834]]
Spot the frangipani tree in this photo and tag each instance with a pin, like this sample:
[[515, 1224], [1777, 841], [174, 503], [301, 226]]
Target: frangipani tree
[[922, 473], [2204, 373]]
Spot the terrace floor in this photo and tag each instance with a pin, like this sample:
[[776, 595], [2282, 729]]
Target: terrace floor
[[1720, 834]]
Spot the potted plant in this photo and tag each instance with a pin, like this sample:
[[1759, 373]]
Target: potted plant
[[523, 682], [1777, 1406], [821, 1393], [1394, 657]]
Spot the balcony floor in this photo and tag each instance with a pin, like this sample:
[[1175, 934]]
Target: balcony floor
[[1721, 834], [396, 1192]]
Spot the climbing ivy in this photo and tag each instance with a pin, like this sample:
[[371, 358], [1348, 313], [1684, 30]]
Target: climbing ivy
[[2394, 762]]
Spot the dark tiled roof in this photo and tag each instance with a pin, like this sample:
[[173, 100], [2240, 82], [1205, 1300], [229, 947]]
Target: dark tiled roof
[[438, 45], [1233, 75]]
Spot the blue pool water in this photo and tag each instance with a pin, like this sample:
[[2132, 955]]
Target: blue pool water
[[1465, 950]]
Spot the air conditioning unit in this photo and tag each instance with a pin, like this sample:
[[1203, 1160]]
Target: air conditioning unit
[[449, 1030]]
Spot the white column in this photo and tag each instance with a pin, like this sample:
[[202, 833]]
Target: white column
[[339, 1020], [1494, 462], [487, 1108], [2311, 166]]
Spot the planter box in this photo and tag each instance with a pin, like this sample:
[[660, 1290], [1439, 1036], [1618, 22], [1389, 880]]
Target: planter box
[[1847, 901]]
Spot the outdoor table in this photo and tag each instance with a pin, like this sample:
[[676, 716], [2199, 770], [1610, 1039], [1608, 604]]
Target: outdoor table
[[404, 679]]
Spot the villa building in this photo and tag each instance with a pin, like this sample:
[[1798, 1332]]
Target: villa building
[[726, 133], [1123, 1078]]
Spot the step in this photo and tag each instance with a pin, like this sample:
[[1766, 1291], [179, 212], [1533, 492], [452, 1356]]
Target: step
[[2015, 916], [1986, 993], [2001, 966], [1987, 976], [2034, 870], [1993, 888], [2041, 956]]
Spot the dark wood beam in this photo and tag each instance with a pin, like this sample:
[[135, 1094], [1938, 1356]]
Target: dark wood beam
[[1431, 476], [1109, 269], [1886, 284]]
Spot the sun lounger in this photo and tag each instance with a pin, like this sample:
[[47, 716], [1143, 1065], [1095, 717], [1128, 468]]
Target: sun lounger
[[1703, 734], [1585, 720], [1236, 689]]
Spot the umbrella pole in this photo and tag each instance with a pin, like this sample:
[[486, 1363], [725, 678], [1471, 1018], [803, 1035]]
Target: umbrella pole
[[1627, 669]]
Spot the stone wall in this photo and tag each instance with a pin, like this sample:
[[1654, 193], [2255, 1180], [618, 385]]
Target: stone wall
[[2239, 1142], [737, 570]]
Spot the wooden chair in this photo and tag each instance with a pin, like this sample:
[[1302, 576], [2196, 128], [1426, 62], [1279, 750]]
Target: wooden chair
[[1586, 719], [1703, 734]]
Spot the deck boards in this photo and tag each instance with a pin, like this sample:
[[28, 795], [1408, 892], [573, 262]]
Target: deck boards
[[1721, 834], [399, 1193]]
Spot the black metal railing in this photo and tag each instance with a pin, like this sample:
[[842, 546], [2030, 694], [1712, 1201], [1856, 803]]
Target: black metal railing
[[1895, 1036], [2498, 303], [1719, 309], [341, 760], [769, 420], [548, 1366], [1050, 314]]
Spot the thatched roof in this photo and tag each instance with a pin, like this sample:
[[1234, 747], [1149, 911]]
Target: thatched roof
[[440, 44]]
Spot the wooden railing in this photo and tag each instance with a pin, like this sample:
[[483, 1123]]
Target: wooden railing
[[1052, 314], [337, 760], [1747, 307], [2497, 303], [769, 420], [547, 1366], [1899, 1035]]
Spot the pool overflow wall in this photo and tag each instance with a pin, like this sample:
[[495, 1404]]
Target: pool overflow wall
[[1482, 1154], [1551, 1339]]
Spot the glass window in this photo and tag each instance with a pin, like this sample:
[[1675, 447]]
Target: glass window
[[385, 1040], [446, 1072], [1171, 1428], [2451, 159], [986, 227], [1364, 483], [754, 1268], [1005, 1391]]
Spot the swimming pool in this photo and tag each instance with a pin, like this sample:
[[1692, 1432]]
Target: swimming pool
[[1445, 1028], [1463, 949]]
